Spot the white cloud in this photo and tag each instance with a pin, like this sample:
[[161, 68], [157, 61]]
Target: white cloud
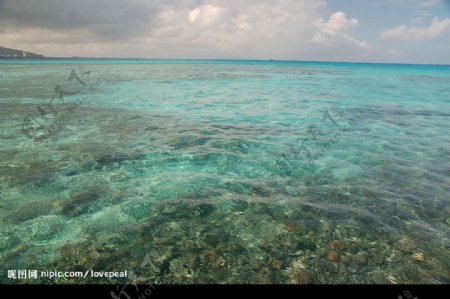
[[335, 28], [405, 33], [205, 14], [250, 19], [339, 21], [254, 29]]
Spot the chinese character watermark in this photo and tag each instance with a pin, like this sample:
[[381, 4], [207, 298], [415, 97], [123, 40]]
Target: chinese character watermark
[[22, 274], [55, 112], [142, 293], [307, 150], [407, 295]]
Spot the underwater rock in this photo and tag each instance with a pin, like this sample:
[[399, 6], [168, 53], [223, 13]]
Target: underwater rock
[[42, 228], [134, 264], [378, 277], [162, 241], [418, 256], [8, 240], [243, 187], [290, 225], [240, 205], [277, 264], [368, 193], [204, 210], [336, 245], [298, 272], [94, 255], [212, 238], [345, 259], [105, 155], [360, 258], [71, 173], [306, 244], [332, 256], [69, 251], [31, 260], [29, 211], [109, 158], [35, 173], [209, 255], [182, 268], [260, 191], [301, 277], [22, 248], [188, 141], [80, 202]]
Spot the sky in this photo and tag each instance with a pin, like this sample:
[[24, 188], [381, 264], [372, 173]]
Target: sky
[[400, 31]]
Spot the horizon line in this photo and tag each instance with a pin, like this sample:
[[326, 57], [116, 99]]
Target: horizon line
[[217, 59]]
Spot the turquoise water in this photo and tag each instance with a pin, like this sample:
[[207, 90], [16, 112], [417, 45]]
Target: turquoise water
[[225, 171]]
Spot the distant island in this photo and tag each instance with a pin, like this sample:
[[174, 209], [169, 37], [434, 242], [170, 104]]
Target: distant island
[[6, 53]]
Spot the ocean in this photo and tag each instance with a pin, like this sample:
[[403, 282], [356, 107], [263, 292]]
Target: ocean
[[221, 171]]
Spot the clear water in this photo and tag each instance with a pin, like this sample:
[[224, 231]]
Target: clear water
[[226, 171]]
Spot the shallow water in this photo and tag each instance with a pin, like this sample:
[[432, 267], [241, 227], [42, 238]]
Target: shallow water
[[225, 171]]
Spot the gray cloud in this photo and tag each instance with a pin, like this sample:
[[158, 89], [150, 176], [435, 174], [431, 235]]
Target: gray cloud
[[254, 29], [108, 19]]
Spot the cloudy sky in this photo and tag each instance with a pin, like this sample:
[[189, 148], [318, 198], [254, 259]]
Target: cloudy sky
[[405, 31]]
